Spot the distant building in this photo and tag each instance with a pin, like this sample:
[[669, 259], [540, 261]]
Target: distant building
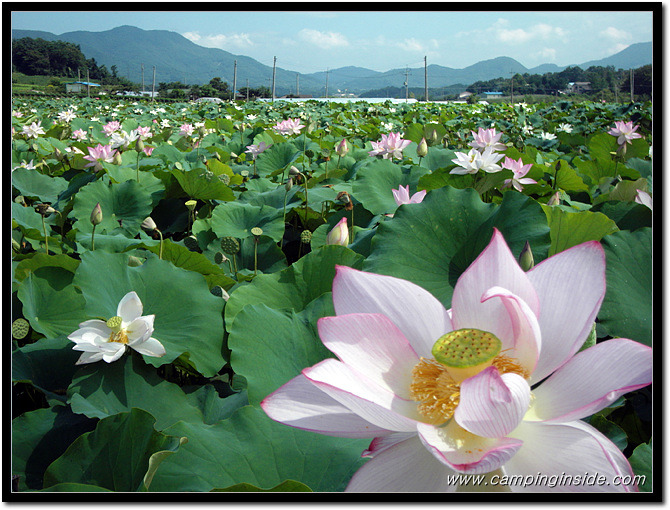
[[79, 86], [493, 94], [579, 87]]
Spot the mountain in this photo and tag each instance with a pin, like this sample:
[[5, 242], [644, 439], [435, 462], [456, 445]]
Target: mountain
[[179, 59]]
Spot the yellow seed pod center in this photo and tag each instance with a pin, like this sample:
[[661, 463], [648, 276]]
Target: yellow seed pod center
[[466, 352], [114, 323]]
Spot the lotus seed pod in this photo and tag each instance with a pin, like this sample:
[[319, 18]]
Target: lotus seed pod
[[230, 245], [244, 173], [148, 225], [325, 153], [191, 204], [293, 171], [309, 153], [191, 242], [114, 323], [20, 200], [20, 329], [257, 231], [134, 261], [466, 352], [220, 258], [306, 236], [96, 214], [220, 292], [224, 178], [44, 209]]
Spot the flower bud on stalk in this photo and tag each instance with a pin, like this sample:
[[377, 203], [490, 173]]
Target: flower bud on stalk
[[422, 149], [117, 159], [342, 148], [96, 219], [526, 260], [339, 234], [139, 145]]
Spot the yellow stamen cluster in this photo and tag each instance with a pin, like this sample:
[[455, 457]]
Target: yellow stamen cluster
[[118, 334]]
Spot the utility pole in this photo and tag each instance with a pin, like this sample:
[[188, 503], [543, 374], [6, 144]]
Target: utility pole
[[297, 85], [327, 71], [406, 84], [153, 85], [234, 79], [142, 79], [512, 73], [88, 84], [631, 86], [247, 90], [425, 78], [274, 67]]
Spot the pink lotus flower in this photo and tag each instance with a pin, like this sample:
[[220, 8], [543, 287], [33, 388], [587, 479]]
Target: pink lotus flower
[[99, 155], [520, 170], [401, 196], [143, 132], [79, 135], [288, 127], [148, 150], [400, 378], [110, 127], [487, 138], [339, 234], [186, 130], [390, 146], [255, 150], [624, 131], [644, 198]]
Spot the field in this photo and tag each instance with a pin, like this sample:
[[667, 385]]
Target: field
[[240, 297]]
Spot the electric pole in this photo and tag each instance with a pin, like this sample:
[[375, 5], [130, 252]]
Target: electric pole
[[406, 84], [234, 79], [425, 78], [142, 79], [512, 74], [153, 85], [247, 90], [631, 86], [297, 85], [274, 67], [88, 84], [327, 71]]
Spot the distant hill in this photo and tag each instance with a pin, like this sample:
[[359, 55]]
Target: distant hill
[[179, 59]]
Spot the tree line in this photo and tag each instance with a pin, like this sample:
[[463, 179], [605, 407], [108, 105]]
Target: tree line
[[215, 88]]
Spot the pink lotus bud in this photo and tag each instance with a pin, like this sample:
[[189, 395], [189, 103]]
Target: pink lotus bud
[[422, 149], [339, 234], [342, 148], [96, 214]]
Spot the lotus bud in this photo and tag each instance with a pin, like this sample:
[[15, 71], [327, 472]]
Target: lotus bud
[[422, 149], [202, 131], [117, 159], [289, 184], [58, 154], [134, 261], [139, 145], [96, 215], [148, 225], [342, 148], [339, 234], [526, 258], [433, 137], [555, 199]]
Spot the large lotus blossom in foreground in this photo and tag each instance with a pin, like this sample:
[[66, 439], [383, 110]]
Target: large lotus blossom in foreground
[[495, 385], [107, 340], [487, 138], [624, 131], [288, 127], [390, 146], [99, 155]]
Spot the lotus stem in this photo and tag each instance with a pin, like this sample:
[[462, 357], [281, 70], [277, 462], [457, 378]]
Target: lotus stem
[[46, 239], [92, 238], [160, 249]]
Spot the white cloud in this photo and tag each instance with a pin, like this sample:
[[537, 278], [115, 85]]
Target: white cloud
[[411, 45], [617, 48], [325, 40], [540, 31], [547, 54], [615, 33], [221, 41]]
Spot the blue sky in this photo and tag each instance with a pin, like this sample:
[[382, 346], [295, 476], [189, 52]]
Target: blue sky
[[311, 41]]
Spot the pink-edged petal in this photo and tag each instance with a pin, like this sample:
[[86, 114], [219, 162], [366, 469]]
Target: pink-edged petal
[[571, 288], [492, 405], [414, 310], [373, 346], [300, 404], [130, 307], [593, 379], [418, 196], [363, 396], [494, 267], [465, 452], [149, 347], [526, 334], [381, 443], [573, 450], [405, 467]]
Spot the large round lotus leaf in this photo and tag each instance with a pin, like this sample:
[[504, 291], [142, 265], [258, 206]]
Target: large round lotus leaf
[[188, 317], [51, 310], [40, 437], [433, 242], [627, 308], [570, 228], [32, 183], [297, 285], [102, 389], [124, 207], [374, 184], [275, 159], [236, 219], [148, 180], [251, 448], [121, 454], [641, 461], [197, 185], [287, 486]]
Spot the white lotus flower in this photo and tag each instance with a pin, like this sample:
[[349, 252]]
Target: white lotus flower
[[107, 340]]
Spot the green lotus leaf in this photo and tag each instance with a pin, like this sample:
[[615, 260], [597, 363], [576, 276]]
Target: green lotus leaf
[[570, 228], [115, 456], [287, 486], [32, 183], [433, 242], [641, 462], [40, 437], [39, 260], [198, 187], [188, 318], [250, 448], [276, 159], [124, 207], [236, 219], [627, 308], [75, 487], [148, 180], [99, 390]]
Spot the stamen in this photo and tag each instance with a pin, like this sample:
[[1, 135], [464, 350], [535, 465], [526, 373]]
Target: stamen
[[437, 393]]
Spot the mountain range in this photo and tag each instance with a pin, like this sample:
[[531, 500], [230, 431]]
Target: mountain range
[[178, 59]]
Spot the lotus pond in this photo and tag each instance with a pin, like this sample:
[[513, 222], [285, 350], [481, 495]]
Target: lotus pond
[[325, 297]]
